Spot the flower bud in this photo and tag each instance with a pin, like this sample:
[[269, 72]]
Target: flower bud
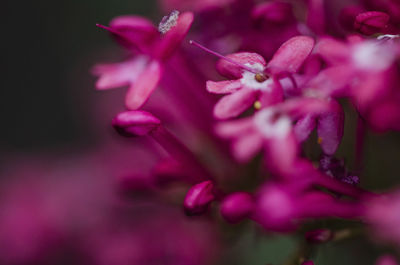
[[319, 236], [198, 198], [237, 206], [372, 22], [135, 123], [308, 262]]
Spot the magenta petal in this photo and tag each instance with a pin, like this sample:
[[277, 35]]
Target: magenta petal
[[330, 130], [133, 25], [333, 51], [246, 147], [119, 74], [234, 71], [223, 87], [173, 38], [332, 81], [272, 97], [135, 123], [291, 55], [281, 154], [235, 128], [133, 31], [139, 92], [234, 104], [304, 127]]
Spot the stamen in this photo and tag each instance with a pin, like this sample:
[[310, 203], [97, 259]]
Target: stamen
[[257, 105], [247, 68], [106, 28], [260, 77], [168, 22]]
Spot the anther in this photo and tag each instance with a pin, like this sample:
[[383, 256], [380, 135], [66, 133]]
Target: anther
[[257, 105], [259, 77]]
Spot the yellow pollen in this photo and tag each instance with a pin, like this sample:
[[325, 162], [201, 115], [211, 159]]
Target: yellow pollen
[[319, 140], [260, 77], [257, 105]]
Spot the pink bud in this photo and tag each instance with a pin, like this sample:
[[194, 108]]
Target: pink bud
[[135, 123], [237, 206], [308, 262], [198, 198], [319, 236], [372, 22]]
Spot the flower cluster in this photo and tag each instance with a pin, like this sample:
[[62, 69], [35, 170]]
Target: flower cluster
[[250, 116]]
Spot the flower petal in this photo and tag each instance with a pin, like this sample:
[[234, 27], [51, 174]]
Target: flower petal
[[291, 55], [139, 92], [304, 127], [330, 130], [281, 154], [173, 38], [246, 147], [133, 31], [235, 128], [234, 71], [333, 51], [234, 104], [119, 74], [223, 87]]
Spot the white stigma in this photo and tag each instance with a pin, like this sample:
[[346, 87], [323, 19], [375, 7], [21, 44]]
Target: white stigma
[[272, 126], [168, 22], [249, 79]]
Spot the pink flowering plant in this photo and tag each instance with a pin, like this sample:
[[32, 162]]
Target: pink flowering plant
[[247, 121], [250, 107]]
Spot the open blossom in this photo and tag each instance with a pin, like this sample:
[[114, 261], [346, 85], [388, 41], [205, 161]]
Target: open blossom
[[254, 79], [271, 128], [150, 49], [291, 80]]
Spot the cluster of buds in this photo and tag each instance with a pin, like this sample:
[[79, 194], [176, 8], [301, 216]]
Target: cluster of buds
[[284, 78]]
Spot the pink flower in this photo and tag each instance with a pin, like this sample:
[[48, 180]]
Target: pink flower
[[254, 80], [142, 72], [271, 129]]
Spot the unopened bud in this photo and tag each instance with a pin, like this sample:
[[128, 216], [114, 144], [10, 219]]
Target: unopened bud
[[372, 22], [135, 123], [198, 198]]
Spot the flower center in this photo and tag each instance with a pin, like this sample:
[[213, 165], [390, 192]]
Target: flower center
[[272, 124], [260, 77]]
